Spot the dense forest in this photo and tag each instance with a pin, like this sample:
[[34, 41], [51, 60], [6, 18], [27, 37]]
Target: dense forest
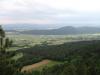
[[77, 58], [80, 58]]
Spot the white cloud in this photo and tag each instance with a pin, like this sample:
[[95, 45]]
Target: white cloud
[[36, 11]]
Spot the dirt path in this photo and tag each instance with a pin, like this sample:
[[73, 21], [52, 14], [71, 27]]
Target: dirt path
[[29, 68]]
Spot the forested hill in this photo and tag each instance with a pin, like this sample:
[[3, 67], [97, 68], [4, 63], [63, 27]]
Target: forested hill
[[64, 31]]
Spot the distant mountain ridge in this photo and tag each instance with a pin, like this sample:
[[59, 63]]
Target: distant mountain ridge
[[39, 30], [64, 30]]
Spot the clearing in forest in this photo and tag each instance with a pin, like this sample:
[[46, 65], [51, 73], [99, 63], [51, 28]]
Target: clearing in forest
[[38, 66]]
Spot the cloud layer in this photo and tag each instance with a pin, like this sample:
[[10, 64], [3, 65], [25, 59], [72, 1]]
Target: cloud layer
[[49, 11]]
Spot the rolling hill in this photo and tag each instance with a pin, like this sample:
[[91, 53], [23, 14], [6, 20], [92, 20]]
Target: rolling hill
[[64, 31]]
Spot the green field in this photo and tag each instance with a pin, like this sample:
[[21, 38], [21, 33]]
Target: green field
[[24, 41]]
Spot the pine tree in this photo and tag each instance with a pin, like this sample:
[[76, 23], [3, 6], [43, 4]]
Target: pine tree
[[7, 65]]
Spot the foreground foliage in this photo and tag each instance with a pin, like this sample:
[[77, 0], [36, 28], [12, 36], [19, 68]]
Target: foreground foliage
[[7, 65]]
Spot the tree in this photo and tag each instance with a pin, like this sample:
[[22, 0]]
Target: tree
[[7, 65]]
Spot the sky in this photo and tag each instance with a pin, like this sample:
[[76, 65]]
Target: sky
[[63, 12]]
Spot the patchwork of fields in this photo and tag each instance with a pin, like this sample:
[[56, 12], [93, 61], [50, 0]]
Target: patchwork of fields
[[25, 41]]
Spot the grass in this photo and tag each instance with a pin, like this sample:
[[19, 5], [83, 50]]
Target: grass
[[19, 55], [40, 65], [50, 64]]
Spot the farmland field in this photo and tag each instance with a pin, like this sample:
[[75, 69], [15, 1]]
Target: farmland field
[[25, 41], [40, 65]]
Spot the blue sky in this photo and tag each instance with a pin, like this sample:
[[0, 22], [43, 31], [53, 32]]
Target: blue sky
[[50, 11]]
